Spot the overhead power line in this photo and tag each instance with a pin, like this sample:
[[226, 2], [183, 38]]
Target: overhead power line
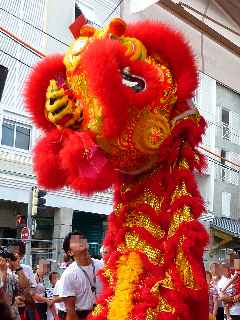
[[8, 54], [21, 42], [217, 156], [46, 33], [112, 12], [223, 166]]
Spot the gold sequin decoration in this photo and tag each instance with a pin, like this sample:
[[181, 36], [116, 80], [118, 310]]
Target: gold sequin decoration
[[151, 199], [138, 219], [125, 188], [134, 242], [183, 164], [167, 283], [97, 310], [150, 131], [169, 94], [163, 306], [180, 191], [151, 315], [118, 208], [184, 268], [108, 275], [78, 83], [182, 215]]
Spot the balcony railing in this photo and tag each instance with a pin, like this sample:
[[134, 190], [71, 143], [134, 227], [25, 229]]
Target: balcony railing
[[227, 175], [229, 133]]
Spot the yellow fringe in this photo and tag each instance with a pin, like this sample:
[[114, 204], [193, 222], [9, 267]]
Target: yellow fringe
[[129, 269]]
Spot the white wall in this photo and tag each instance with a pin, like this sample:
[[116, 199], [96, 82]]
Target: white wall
[[219, 62], [59, 15]]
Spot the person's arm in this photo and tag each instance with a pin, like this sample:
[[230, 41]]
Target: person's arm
[[215, 305], [70, 308], [232, 299], [55, 299], [3, 272], [231, 281], [40, 299], [4, 279]]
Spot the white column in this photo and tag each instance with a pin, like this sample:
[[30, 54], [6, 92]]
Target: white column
[[62, 225]]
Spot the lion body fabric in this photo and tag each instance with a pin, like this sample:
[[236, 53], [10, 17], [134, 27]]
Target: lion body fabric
[[115, 111]]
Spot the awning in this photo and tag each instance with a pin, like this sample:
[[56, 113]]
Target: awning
[[227, 225]]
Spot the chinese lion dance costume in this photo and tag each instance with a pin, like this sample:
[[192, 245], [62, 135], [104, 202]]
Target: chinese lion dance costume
[[115, 111]]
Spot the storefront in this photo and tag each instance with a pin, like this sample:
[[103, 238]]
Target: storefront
[[225, 238], [93, 226]]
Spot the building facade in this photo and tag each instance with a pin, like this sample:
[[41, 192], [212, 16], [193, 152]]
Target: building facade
[[25, 19], [66, 210]]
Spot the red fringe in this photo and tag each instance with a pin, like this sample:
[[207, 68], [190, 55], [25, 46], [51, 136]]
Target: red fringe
[[36, 86]]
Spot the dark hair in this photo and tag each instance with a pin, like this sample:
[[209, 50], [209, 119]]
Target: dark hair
[[21, 245], [5, 311], [66, 241], [51, 274]]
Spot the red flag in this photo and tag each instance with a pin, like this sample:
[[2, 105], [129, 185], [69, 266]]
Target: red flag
[[76, 25]]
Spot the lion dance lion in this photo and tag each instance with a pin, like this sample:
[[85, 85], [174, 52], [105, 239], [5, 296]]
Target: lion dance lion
[[116, 111]]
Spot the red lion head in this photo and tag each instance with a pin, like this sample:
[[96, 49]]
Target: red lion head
[[111, 104]]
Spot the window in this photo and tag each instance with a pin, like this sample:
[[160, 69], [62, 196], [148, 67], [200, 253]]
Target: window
[[195, 98], [3, 78], [225, 116], [226, 122], [223, 157], [15, 135], [226, 204]]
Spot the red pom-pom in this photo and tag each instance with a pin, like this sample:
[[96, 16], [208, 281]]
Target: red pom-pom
[[47, 163], [117, 27]]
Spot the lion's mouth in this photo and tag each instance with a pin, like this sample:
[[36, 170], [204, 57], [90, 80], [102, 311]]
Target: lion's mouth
[[133, 81]]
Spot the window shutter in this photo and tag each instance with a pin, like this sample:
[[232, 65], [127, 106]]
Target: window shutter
[[226, 204]]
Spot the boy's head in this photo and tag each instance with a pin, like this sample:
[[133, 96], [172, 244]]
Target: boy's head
[[19, 248], [53, 278], [75, 244]]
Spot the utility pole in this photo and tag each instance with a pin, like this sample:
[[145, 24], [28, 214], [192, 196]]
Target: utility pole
[[35, 204], [29, 226]]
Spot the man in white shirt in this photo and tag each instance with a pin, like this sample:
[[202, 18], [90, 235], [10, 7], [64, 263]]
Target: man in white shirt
[[233, 298], [226, 276], [79, 282], [57, 301]]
